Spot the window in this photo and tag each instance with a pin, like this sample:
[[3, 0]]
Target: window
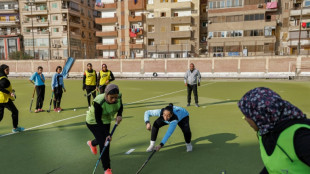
[[162, 1], [286, 6], [151, 28], [307, 3], [228, 3], [56, 30], [54, 5], [163, 14], [55, 18], [151, 42]]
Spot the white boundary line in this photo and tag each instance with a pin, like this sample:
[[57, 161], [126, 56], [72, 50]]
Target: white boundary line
[[4, 135]]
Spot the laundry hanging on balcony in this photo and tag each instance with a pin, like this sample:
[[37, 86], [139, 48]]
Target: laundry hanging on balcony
[[132, 33], [272, 5], [303, 24]]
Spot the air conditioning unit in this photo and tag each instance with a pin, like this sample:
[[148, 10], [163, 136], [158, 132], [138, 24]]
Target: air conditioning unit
[[54, 45], [210, 22], [140, 24], [141, 37], [209, 37], [292, 19], [64, 14], [260, 6], [207, 7]]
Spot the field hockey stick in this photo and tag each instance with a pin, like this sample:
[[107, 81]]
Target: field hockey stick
[[86, 95], [105, 146], [34, 91], [51, 102], [146, 161]]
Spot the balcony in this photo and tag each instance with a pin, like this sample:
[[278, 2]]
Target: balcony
[[8, 10], [181, 20], [8, 23], [136, 46], [37, 33], [180, 34], [36, 23], [75, 24], [106, 33], [302, 42], [305, 12], [271, 6], [133, 18], [10, 33], [100, 46], [111, 20], [140, 5], [105, 7], [169, 48], [35, 11], [181, 5]]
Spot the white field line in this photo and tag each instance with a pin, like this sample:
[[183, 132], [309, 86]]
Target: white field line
[[46, 124], [166, 94]]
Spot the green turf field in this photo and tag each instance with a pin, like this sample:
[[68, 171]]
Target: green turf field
[[221, 139]]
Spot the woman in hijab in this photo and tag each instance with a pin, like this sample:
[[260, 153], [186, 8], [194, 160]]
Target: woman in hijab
[[98, 120], [283, 131], [172, 116], [7, 96]]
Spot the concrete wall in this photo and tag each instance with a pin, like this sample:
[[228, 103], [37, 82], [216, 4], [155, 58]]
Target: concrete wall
[[229, 67]]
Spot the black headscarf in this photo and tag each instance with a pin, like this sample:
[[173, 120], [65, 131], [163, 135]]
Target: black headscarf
[[2, 68]]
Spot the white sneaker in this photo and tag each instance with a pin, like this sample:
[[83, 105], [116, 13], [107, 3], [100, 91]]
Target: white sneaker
[[189, 147], [151, 147]]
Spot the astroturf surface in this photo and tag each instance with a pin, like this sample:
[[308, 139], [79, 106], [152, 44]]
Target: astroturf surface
[[221, 140]]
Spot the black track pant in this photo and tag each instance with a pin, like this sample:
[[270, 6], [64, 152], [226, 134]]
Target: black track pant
[[191, 88], [40, 96], [90, 89], [183, 124], [101, 132], [57, 96], [102, 88], [10, 106]]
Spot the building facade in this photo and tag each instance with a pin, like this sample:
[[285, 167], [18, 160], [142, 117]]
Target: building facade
[[58, 29], [243, 27], [10, 38]]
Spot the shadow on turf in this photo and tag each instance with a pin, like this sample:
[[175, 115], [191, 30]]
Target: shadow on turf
[[221, 102], [147, 104], [211, 154]]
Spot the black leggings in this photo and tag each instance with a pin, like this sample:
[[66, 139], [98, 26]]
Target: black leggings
[[102, 88], [10, 106], [183, 124], [57, 96], [40, 96], [101, 132], [89, 89]]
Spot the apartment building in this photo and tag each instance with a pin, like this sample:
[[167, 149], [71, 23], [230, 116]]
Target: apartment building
[[10, 39], [173, 28], [123, 28], [299, 27], [243, 27], [56, 29]]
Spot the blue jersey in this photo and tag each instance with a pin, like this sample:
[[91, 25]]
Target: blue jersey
[[57, 80], [38, 80], [178, 111]]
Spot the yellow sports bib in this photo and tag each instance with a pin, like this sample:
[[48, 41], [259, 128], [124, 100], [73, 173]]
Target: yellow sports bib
[[90, 78], [4, 98], [104, 76]]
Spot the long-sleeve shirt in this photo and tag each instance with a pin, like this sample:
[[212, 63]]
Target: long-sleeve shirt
[[38, 80], [178, 111], [191, 77], [301, 140], [4, 83], [57, 80]]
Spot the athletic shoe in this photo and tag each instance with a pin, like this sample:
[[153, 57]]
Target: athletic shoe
[[108, 171], [150, 148], [36, 111], [59, 109], [189, 147], [197, 105], [56, 109], [93, 149], [188, 104], [18, 129], [41, 110]]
